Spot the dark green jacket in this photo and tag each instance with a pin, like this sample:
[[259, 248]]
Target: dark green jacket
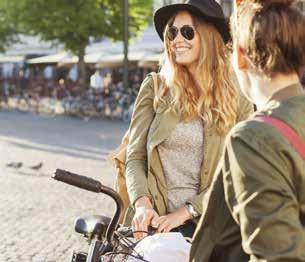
[[256, 204], [149, 127]]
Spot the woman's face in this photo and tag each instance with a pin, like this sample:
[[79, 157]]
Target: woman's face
[[186, 51]]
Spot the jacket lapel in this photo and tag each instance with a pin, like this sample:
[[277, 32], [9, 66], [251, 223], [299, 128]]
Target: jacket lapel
[[162, 128]]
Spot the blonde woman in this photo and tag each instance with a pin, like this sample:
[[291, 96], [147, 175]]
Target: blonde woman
[[176, 135]]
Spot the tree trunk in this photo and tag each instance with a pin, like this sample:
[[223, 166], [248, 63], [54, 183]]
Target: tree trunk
[[82, 74], [126, 36]]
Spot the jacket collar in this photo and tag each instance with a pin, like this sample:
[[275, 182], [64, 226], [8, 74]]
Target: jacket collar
[[287, 92]]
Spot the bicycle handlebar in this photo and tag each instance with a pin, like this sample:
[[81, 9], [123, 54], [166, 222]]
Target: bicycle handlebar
[[77, 180], [93, 185]]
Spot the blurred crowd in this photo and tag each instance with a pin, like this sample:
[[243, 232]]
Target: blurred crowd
[[104, 95], [56, 90]]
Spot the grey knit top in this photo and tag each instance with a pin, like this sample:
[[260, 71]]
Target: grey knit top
[[181, 155]]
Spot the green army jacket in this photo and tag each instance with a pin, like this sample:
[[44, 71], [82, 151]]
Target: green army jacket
[[149, 127], [255, 207]]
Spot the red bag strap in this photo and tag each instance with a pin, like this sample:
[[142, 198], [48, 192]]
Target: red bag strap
[[286, 131]]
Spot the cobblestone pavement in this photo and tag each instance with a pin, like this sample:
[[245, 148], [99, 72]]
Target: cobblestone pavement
[[36, 213]]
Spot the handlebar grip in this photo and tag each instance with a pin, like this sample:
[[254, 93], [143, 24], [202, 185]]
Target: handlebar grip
[[77, 180]]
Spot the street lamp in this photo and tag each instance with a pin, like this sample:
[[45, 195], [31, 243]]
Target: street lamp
[[126, 35]]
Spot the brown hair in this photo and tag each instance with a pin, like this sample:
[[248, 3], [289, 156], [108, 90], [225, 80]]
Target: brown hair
[[272, 33], [217, 98]]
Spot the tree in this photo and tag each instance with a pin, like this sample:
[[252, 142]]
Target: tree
[[73, 22], [8, 32]]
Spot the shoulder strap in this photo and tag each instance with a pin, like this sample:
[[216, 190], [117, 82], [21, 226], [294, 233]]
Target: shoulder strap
[[286, 131], [156, 87], [155, 79]]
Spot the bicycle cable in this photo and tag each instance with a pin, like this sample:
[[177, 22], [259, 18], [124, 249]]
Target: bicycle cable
[[126, 244]]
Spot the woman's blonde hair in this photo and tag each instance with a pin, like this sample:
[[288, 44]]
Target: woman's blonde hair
[[216, 100]]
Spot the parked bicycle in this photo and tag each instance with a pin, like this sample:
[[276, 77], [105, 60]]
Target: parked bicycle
[[108, 241]]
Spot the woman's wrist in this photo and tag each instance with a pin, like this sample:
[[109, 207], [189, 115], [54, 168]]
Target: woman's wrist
[[191, 210], [143, 201], [186, 214]]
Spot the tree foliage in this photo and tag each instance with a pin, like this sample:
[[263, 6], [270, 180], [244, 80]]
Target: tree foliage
[[72, 22], [8, 31]]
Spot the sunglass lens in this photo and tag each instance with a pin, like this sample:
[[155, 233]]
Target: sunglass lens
[[172, 32], [187, 32]]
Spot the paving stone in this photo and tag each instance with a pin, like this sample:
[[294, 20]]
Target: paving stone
[[39, 213]]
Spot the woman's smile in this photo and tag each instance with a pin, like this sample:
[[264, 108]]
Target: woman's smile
[[182, 49]]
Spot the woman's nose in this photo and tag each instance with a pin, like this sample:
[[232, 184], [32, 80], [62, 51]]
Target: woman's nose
[[179, 37], [179, 40]]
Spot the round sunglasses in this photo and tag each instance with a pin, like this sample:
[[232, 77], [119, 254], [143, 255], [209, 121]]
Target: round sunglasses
[[187, 31]]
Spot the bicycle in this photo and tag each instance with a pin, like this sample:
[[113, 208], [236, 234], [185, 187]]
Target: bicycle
[[106, 238]]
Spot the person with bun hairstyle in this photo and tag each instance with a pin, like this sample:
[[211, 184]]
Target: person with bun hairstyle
[[178, 127], [256, 204]]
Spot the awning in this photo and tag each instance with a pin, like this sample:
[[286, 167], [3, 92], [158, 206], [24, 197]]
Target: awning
[[65, 58], [150, 60], [118, 59], [11, 59], [93, 58], [49, 59], [101, 59]]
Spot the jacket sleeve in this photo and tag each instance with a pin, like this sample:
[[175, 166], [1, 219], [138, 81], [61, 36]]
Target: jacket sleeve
[[136, 159], [260, 194]]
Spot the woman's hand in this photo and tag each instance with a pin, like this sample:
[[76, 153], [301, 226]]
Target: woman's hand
[[172, 220], [143, 217]]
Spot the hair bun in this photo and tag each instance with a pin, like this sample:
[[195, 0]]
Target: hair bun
[[269, 3]]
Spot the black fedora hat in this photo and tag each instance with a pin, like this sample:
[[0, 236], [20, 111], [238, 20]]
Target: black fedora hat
[[208, 10]]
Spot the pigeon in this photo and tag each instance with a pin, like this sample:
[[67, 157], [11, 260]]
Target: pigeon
[[15, 165], [36, 167]]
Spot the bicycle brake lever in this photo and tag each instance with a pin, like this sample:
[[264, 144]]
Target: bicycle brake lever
[[125, 231]]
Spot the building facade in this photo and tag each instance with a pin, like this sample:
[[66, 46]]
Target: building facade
[[227, 6]]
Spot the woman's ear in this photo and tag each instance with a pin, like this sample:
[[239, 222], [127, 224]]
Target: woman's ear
[[241, 59]]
